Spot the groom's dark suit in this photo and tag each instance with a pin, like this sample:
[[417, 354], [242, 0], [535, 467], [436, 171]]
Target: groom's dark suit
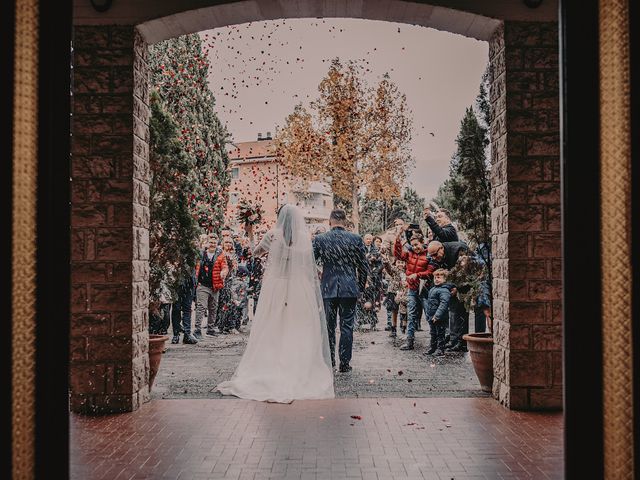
[[344, 275]]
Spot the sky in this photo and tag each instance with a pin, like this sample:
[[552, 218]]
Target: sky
[[260, 71]]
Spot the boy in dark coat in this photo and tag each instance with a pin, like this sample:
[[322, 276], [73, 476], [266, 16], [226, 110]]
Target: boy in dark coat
[[438, 311]]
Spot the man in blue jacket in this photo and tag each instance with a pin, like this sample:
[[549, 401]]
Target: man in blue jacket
[[344, 275], [438, 311]]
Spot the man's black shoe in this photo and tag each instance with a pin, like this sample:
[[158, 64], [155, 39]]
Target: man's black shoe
[[387, 328], [457, 348], [431, 351], [198, 334], [189, 339], [175, 339], [345, 367], [439, 353], [407, 345]]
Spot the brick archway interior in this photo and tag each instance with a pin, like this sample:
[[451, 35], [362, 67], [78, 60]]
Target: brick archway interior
[[109, 364]]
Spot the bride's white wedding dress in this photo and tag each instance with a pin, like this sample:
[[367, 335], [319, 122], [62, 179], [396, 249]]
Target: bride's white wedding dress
[[287, 356]]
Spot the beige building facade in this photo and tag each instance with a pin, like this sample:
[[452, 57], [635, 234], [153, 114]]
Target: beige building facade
[[258, 177]]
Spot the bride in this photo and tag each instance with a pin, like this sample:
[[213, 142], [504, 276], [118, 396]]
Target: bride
[[287, 356]]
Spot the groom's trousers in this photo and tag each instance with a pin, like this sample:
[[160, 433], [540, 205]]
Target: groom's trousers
[[346, 308]]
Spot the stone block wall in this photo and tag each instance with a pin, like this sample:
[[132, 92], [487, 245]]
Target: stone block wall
[[527, 285], [110, 218], [109, 366]]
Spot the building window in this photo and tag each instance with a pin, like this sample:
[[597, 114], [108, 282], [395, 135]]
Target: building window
[[235, 173], [233, 198], [324, 203]]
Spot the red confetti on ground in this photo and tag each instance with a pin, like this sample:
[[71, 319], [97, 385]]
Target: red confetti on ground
[[409, 424], [400, 372], [409, 380], [356, 417]]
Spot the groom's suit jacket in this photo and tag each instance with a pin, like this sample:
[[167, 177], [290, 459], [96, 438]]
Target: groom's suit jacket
[[344, 265]]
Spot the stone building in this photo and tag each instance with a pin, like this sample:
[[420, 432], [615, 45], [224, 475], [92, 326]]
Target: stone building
[[257, 176]]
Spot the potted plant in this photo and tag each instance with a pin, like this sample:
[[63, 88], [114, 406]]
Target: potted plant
[[480, 347], [157, 340], [156, 348]]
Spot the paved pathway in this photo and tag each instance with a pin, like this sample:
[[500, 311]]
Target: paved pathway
[[380, 369], [349, 438]]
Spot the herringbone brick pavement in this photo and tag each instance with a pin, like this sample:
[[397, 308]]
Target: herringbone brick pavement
[[354, 438]]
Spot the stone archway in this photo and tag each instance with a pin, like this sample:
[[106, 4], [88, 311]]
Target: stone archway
[[110, 176]]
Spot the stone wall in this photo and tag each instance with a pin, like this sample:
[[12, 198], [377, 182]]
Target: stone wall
[[110, 218], [526, 224], [109, 366]]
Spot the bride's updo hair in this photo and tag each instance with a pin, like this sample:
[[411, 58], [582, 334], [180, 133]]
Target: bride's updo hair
[[290, 221]]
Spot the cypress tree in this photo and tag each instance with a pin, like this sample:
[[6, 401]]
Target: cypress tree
[[179, 72], [469, 183], [173, 229]]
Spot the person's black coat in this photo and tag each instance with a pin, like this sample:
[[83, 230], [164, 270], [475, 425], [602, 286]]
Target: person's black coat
[[452, 251], [448, 233], [374, 257]]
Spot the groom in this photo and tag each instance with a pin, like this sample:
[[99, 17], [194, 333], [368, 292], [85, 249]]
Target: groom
[[344, 275]]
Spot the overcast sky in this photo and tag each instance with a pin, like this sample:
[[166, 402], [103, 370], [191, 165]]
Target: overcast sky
[[261, 70]]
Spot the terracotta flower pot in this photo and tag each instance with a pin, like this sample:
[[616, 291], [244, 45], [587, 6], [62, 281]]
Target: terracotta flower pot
[[480, 347], [156, 347]]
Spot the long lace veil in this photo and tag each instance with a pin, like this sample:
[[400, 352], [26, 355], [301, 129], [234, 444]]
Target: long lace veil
[[291, 257]]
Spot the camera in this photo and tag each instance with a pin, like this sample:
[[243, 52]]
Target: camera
[[413, 228]]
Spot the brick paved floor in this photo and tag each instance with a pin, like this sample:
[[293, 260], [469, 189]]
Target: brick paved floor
[[192, 371], [430, 438]]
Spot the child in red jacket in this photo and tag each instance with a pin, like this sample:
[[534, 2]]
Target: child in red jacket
[[418, 267], [211, 271]]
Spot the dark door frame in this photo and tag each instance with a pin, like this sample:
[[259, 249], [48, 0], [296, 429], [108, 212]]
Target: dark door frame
[[582, 320]]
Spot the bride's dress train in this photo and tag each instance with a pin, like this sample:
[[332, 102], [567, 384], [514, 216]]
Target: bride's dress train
[[287, 356]]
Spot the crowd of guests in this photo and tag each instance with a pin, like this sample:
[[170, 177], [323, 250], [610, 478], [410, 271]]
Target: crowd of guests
[[226, 277], [412, 275], [434, 276]]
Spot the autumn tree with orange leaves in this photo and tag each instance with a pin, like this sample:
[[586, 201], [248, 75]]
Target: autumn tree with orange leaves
[[357, 138]]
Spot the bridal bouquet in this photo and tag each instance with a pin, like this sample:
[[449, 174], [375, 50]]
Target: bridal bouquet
[[249, 213]]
